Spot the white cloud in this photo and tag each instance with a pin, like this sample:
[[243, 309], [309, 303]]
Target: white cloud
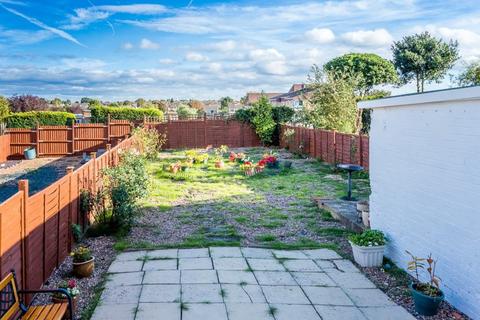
[[195, 57], [134, 8], [215, 67], [127, 46], [166, 61], [266, 55], [320, 35], [368, 38], [83, 63], [224, 46], [148, 44], [269, 61], [83, 17]]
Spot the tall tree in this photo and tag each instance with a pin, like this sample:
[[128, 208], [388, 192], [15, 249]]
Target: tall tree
[[224, 104], [470, 76], [262, 120], [424, 58], [368, 70], [27, 103], [198, 105], [4, 107]]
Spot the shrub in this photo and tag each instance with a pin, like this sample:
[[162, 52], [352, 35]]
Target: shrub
[[100, 113], [149, 141], [30, 119], [281, 115], [244, 115], [263, 120], [185, 112], [368, 238]]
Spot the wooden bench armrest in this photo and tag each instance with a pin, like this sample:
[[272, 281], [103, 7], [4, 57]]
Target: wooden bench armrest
[[59, 290]]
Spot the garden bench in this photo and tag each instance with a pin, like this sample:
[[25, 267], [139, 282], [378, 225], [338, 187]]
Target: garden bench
[[12, 307]]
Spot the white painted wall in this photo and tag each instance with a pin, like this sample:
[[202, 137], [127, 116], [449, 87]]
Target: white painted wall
[[425, 180]]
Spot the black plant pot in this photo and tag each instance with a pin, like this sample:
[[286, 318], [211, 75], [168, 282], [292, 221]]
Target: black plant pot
[[424, 304]]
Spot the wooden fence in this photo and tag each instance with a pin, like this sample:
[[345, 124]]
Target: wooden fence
[[35, 231], [4, 147], [330, 146]]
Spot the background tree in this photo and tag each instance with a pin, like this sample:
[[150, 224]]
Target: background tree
[[197, 105], [4, 107], [27, 103], [140, 102], [160, 104], [224, 104], [470, 76], [85, 100], [368, 69], [184, 111], [424, 58]]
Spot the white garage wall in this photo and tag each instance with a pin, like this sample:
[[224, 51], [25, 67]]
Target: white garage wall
[[425, 180]]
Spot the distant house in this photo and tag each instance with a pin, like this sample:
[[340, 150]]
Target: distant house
[[293, 98], [211, 106], [253, 97]]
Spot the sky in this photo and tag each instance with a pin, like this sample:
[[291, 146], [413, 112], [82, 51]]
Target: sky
[[205, 49]]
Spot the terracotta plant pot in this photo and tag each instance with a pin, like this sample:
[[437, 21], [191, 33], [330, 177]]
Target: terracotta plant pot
[[65, 300], [174, 169], [219, 164], [249, 172], [368, 256], [84, 269]]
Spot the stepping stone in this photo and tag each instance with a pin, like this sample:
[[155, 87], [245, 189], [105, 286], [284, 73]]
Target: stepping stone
[[225, 252], [167, 253], [345, 266], [153, 265], [160, 293], [121, 295], [265, 265], [124, 279], [327, 295], [201, 293], [230, 263], [197, 311], [313, 279], [350, 280], [236, 277], [295, 311], [193, 253], [195, 264], [257, 253], [275, 278], [387, 313], [301, 265], [236, 293], [199, 276], [168, 311], [250, 311], [369, 298], [287, 254], [162, 277], [114, 311], [285, 294], [131, 256], [341, 313], [324, 254], [125, 266]]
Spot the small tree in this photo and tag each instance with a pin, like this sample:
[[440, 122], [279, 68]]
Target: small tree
[[262, 120], [224, 105], [470, 76], [424, 58], [4, 107], [185, 112]]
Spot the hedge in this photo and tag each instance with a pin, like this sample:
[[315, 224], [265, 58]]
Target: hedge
[[30, 119], [100, 113]]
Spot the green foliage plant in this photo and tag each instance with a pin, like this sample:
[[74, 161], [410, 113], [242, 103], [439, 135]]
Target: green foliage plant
[[368, 238], [263, 119], [31, 119], [100, 113], [149, 141]]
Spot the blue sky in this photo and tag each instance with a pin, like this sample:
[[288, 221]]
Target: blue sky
[[205, 49]]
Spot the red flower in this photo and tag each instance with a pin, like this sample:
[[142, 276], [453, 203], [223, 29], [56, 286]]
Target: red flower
[[247, 163], [72, 283]]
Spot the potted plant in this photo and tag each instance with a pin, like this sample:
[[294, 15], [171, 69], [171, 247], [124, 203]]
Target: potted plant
[[174, 167], [270, 160], [30, 153], [368, 248], [185, 166], [241, 157], [427, 296], [259, 168], [83, 262], [219, 152], [71, 287], [232, 157], [248, 168]]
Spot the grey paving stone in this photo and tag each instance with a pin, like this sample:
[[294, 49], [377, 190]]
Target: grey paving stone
[[162, 277], [345, 265], [295, 311], [275, 278], [130, 255], [313, 279], [165, 311], [225, 252], [236, 293], [165, 253], [230, 263], [284, 294], [327, 295], [121, 295], [248, 311], [340, 313], [201, 293], [369, 297], [387, 313], [350, 279], [265, 265], [289, 254], [164, 264], [257, 253], [325, 254], [198, 311], [124, 279], [160, 293], [125, 266], [114, 311], [199, 276], [195, 264], [325, 264], [301, 265], [193, 253], [236, 277]]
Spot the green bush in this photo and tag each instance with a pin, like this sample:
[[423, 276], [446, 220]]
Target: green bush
[[30, 119], [368, 238], [100, 113]]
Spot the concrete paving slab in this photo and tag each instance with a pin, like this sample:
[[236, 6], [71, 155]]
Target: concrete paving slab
[[236, 293], [252, 311], [327, 295], [369, 297], [163, 264], [265, 265], [198, 311], [125, 266], [345, 265], [257, 253], [230, 263], [164, 253], [301, 265], [201, 293], [350, 280], [295, 311], [387, 313], [313, 279], [193, 253], [325, 264], [225, 252], [275, 278], [236, 277], [285, 294], [199, 276], [340, 313], [325, 254], [165, 311], [124, 279], [121, 295], [162, 277], [195, 264], [114, 311], [131, 255], [289, 254], [160, 293]]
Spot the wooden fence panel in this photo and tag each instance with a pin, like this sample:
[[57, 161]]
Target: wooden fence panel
[[20, 139], [4, 147], [34, 244], [51, 195], [54, 140]]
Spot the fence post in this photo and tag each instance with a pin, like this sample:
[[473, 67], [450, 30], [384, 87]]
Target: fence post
[[37, 139], [70, 213], [108, 128], [73, 138], [93, 156], [334, 147], [109, 155], [23, 187]]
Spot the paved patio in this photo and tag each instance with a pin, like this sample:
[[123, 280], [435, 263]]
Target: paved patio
[[241, 284]]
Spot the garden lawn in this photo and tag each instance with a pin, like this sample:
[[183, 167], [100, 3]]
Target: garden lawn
[[206, 206]]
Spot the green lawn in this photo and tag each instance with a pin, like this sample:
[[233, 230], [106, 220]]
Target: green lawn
[[207, 206]]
